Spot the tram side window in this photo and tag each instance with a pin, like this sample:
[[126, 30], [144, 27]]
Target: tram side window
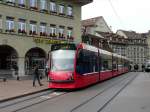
[[106, 65], [86, 62], [114, 66]]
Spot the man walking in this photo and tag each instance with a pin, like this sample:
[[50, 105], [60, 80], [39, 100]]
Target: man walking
[[36, 75]]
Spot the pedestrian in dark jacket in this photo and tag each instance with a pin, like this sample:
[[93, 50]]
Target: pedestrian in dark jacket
[[36, 75], [46, 72], [15, 67]]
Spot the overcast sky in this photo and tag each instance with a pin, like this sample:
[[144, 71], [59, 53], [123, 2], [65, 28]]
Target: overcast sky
[[127, 14]]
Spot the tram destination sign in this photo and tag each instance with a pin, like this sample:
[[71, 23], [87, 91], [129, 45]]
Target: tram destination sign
[[48, 41], [64, 46]]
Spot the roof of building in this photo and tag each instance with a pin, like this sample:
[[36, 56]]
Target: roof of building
[[91, 21], [94, 36], [108, 34], [133, 35]]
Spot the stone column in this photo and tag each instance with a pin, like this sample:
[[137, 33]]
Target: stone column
[[21, 66]]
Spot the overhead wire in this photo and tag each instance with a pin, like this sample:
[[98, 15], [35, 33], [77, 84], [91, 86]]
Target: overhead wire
[[116, 14]]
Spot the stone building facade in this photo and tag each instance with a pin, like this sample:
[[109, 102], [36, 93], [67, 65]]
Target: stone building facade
[[126, 43], [137, 47], [90, 35], [29, 27]]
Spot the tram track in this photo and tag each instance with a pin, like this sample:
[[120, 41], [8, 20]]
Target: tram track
[[129, 80], [116, 94], [29, 102], [21, 100]]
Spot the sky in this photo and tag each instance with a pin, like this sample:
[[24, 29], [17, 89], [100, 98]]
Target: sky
[[121, 14]]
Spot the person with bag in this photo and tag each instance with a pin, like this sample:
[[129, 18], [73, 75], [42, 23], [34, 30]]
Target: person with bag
[[36, 75]]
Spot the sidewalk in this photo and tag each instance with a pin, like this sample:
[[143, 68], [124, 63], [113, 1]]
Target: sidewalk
[[14, 88], [134, 98]]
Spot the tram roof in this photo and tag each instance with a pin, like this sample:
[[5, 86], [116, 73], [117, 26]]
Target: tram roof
[[95, 49], [89, 47], [120, 56]]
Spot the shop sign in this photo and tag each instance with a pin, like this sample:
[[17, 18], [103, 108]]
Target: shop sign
[[47, 41]]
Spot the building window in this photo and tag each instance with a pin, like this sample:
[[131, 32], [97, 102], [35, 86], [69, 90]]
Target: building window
[[61, 31], [69, 11], [52, 31], [33, 4], [10, 24], [1, 23], [33, 28], [43, 29], [53, 7], [70, 33], [21, 3], [43, 5], [61, 9], [22, 26]]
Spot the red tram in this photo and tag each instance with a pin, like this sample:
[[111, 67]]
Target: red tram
[[75, 66]]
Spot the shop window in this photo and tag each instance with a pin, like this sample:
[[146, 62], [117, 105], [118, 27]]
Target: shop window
[[69, 11], [10, 24], [61, 9], [22, 26], [33, 28], [43, 5], [53, 7], [43, 29]]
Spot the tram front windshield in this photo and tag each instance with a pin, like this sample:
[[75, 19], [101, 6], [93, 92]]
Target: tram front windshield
[[62, 60]]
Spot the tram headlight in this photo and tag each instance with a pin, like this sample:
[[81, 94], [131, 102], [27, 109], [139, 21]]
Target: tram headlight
[[70, 76]]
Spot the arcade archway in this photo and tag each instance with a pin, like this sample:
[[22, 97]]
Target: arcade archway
[[8, 57], [34, 56]]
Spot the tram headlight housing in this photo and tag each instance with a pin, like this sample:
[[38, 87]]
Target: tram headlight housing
[[70, 76]]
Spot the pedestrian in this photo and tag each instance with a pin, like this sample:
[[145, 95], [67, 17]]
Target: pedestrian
[[143, 67], [130, 67], [46, 72], [136, 67], [15, 67], [36, 75]]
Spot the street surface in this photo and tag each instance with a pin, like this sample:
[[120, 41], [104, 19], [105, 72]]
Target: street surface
[[120, 94]]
